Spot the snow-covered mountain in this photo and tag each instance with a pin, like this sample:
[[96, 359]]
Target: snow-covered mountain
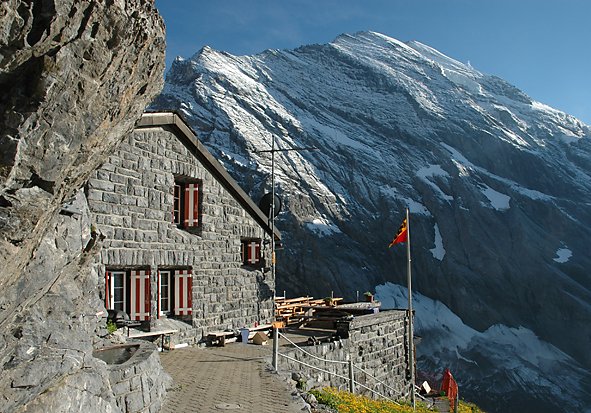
[[498, 186]]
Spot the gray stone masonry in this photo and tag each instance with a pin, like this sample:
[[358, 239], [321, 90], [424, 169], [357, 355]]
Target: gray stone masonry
[[139, 385], [131, 198], [377, 345]]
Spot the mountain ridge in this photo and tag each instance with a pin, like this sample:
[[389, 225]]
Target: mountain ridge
[[498, 181]]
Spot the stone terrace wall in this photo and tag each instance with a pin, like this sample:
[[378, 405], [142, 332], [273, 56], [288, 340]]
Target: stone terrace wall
[[377, 344], [131, 197]]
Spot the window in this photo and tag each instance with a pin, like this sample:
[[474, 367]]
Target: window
[[165, 292], [251, 252], [186, 210], [176, 291], [129, 291], [116, 290]]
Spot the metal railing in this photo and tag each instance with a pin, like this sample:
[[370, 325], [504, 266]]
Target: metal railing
[[350, 379]]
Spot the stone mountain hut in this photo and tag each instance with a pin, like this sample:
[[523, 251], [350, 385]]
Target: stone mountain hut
[[182, 240]]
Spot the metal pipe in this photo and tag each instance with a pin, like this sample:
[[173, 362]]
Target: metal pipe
[[275, 348], [351, 378]]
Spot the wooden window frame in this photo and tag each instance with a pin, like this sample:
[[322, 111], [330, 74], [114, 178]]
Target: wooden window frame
[[168, 275], [111, 291]]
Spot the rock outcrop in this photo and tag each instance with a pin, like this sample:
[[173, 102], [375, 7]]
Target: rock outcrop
[[75, 76]]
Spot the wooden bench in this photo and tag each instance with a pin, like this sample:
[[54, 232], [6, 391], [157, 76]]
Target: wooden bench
[[220, 338], [262, 327], [161, 333]]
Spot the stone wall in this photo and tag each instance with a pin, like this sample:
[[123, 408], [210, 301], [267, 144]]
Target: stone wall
[[131, 198], [139, 385], [377, 345]]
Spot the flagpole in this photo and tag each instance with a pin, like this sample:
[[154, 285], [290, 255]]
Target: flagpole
[[410, 318]]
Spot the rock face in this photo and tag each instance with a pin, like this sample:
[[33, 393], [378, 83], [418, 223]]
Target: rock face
[[498, 185], [75, 76]]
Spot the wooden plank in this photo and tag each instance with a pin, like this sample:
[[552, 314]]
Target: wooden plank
[[293, 304], [152, 333], [293, 300], [221, 334], [261, 327]]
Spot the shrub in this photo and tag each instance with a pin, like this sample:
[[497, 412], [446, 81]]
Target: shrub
[[111, 327]]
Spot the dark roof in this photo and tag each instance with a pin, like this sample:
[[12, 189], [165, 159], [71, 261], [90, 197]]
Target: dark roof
[[186, 134]]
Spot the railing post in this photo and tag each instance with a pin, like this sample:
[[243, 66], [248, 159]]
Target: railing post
[[351, 378], [275, 348]]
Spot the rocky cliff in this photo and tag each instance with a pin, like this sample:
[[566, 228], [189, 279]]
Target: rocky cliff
[[75, 75]]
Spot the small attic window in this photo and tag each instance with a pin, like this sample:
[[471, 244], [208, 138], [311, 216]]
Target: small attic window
[[250, 252], [186, 209]]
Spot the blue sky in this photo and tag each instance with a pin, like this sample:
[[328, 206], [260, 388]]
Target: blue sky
[[541, 46]]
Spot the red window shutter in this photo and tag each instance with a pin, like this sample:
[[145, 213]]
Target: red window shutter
[[191, 211], [190, 294], [183, 292], [140, 295], [107, 290], [254, 252]]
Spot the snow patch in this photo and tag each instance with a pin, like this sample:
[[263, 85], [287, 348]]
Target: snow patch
[[322, 227], [465, 166], [438, 251], [497, 200], [431, 170], [563, 255], [463, 80], [463, 170], [434, 170], [415, 207], [235, 159]]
